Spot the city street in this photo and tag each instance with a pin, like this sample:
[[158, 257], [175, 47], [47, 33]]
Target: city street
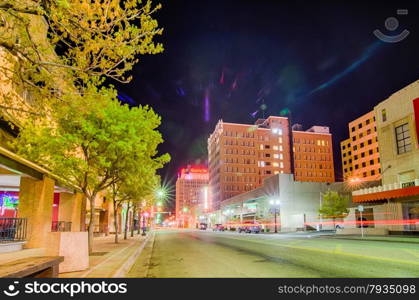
[[193, 253]]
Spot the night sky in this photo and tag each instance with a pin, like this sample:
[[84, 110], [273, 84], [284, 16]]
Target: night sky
[[225, 59]]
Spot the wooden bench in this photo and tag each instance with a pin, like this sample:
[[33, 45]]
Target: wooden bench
[[36, 267]]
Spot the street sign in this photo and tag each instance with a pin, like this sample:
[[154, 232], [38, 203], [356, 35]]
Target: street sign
[[360, 208]]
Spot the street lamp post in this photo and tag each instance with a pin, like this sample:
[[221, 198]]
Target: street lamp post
[[275, 205]]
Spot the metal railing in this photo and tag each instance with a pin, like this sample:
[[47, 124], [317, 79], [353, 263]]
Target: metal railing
[[60, 226], [13, 229]]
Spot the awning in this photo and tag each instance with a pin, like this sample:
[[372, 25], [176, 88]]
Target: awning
[[398, 193]]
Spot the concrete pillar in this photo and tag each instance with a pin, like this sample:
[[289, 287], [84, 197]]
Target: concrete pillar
[[70, 209], [35, 204]]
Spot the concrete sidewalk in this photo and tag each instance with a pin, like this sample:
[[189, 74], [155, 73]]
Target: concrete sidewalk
[[109, 259]]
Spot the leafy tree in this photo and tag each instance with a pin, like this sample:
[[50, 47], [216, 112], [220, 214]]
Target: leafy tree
[[131, 188], [334, 205], [89, 142], [54, 48]]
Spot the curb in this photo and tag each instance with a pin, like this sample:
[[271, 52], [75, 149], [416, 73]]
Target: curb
[[124, 269]]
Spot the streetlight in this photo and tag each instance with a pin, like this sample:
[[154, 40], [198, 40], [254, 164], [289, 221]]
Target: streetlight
[[275, 206]]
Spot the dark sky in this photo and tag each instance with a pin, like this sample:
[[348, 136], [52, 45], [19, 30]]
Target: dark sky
[[319, 60]]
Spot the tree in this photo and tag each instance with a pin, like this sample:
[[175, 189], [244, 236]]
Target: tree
[[90, 141], [334, 205], [131, 188], [59, 47]]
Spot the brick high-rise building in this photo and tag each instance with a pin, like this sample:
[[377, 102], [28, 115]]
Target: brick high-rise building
[[191, 185], [240, 156], [313, 155], [360, 153]]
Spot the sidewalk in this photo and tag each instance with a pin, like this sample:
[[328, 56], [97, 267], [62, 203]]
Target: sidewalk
[[109, 259]]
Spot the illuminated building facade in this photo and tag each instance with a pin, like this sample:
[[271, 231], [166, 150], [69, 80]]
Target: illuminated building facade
[[191, 194], [241, 156], [394, 205], [313, 155], [360, 153]]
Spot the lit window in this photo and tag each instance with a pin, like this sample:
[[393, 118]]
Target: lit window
[[275, 147], [276, 155], [280, 148], [384, 115], [404, 142], [281, 156], [281, 164], [276, 172], [275, 164], [277, 131], [261, 147]]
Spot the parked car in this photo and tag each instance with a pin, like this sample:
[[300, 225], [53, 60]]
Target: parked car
[[250, 227], [203, 226], [218, 227]]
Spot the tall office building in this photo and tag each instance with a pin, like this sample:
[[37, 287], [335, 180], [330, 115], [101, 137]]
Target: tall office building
[[360, 153], [313, 155], [240, 156], [191, 193]]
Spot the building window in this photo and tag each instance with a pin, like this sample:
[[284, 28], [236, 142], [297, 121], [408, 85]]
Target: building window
[[404, 142], [353, 129], [383, 115]]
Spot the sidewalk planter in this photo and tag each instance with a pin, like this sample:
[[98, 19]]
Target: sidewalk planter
[[73, 246]]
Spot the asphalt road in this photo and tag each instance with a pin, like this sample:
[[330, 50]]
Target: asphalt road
[[190, 253]]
